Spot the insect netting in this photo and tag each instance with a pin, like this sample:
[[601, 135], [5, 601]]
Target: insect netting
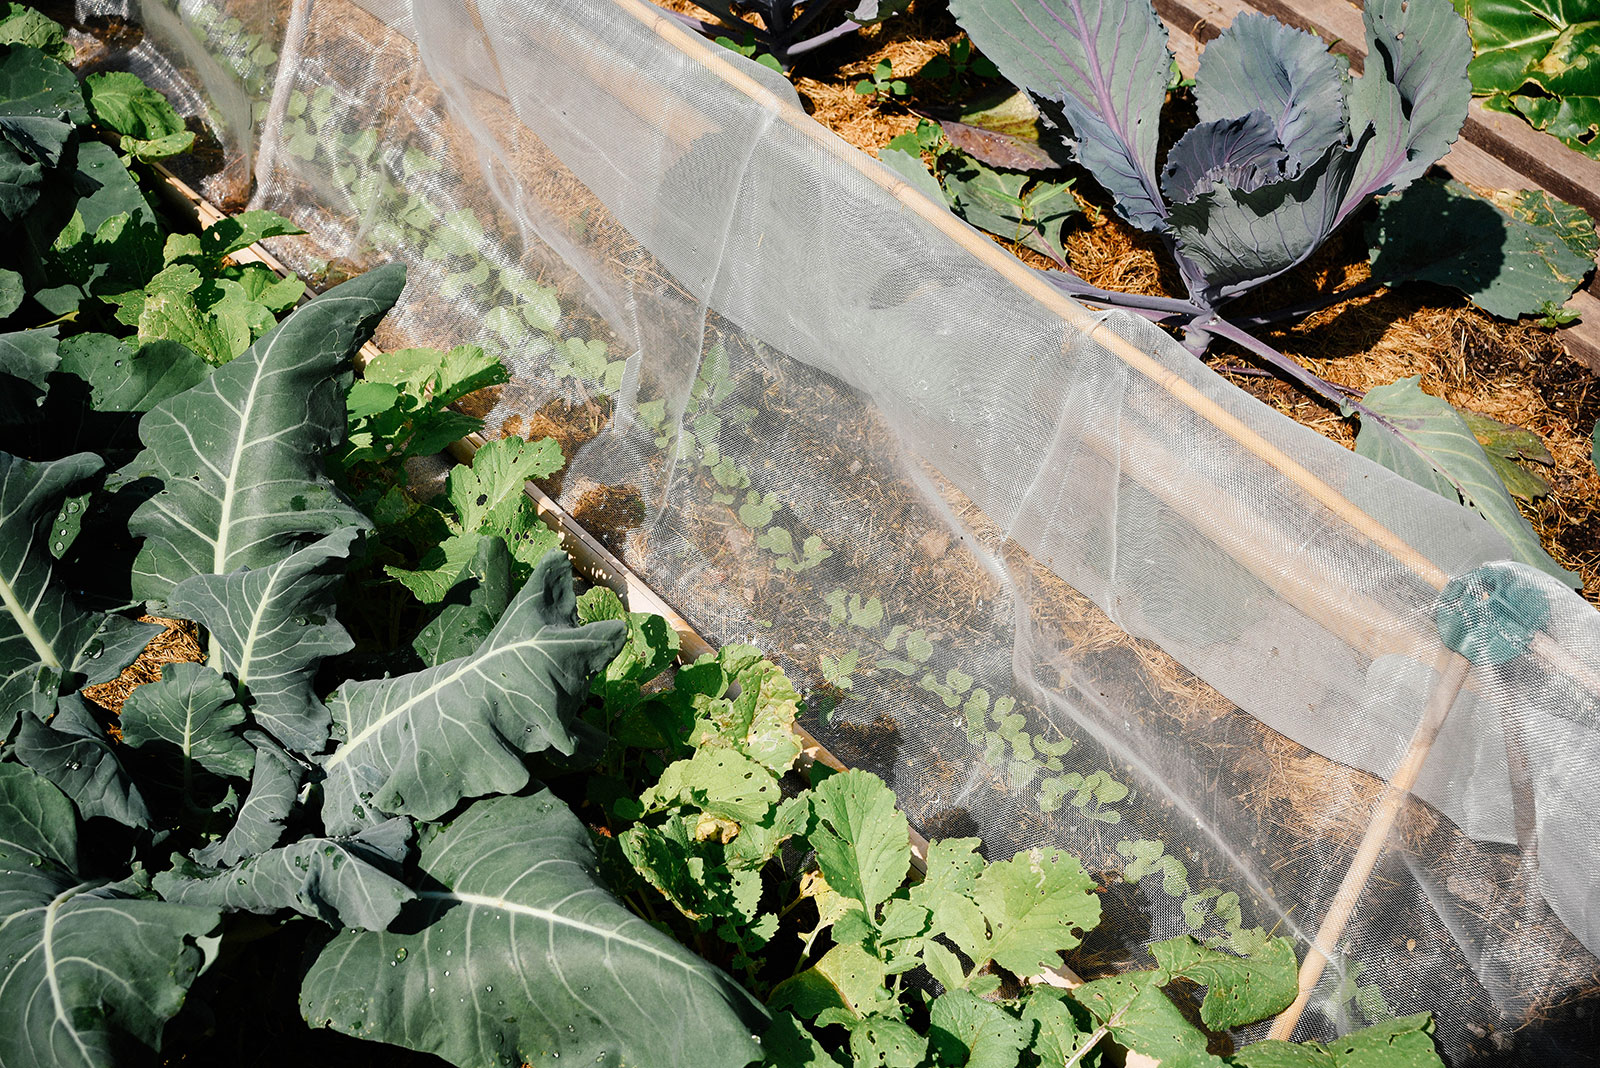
[[1038, 568]]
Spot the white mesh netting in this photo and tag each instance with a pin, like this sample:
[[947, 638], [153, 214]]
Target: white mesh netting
[[1040, 569]]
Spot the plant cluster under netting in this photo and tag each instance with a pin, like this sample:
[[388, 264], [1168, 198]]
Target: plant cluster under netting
[[853, 478]]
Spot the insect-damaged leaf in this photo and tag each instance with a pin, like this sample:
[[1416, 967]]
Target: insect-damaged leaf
[[1509, 260], [238, 458], [1454, 459], [861, 837], [1240, 990], [1106, 63], [417, 744], [1142, 1019], [1540, 58], [150, 129], [1005, 130], [1037, 904], [520, 952], [84, 964]]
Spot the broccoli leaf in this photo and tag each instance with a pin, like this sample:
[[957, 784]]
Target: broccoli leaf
[[563, 954], [417, 744], [74, 751], [84, 964], [1106, 63], [40, 103], [343, 881], [194, 711], [270, 628], [259, 824], [239, 456], [471, 607]]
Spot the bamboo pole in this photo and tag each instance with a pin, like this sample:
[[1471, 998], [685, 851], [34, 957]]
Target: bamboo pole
[[1453, 670], [1025, 279]]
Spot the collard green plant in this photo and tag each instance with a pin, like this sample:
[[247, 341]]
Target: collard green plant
[[1540, 60], [1287, 150], [250, 539]]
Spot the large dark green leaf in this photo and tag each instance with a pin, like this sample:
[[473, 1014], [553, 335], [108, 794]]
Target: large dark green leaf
[[239, 456], [1540, 58], [81, 964], [1509, 266], [124, 376], [271, 628], [342, 881], [274, 783], [41, 630], [418, 744], [74, 751], [1106, 62], [519, 953], [30, 356], [193, 712], [40, 101]]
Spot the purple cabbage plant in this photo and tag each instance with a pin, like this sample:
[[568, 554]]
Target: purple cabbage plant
[[1288, 146]]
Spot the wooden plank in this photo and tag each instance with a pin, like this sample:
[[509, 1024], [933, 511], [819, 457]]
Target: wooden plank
[[1495, 151]]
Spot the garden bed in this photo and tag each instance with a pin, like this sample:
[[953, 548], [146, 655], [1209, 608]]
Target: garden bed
[[911, 557]]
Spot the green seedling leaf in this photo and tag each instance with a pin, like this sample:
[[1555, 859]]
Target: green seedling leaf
[[239, 457], [1505, 444], [1136, 1013], [417, 744], [564, 954], [259, 824], [40, 102], [150, 129], [966, 1030], [270, 628], [85, 965], [1240, 990], [471, 607], [194, 711], [22, 25], [1037, 904], [74, 751], [1273, 1053], [1057, 1034], [1004, 129], [345, 882], [861, 837], [1428, 426], [1510, 258], [1538, 59], [885, 1042], [719, 782]]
